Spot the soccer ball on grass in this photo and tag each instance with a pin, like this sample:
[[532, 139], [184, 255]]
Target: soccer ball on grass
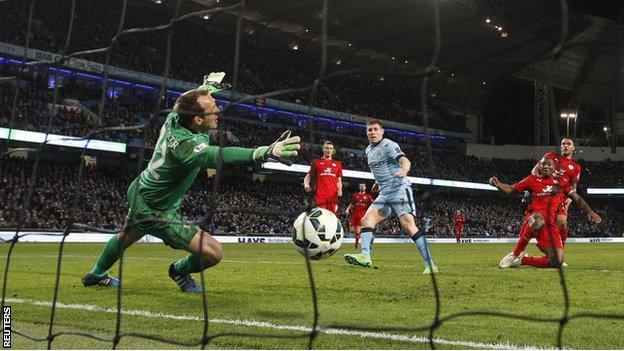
[[318, 230]]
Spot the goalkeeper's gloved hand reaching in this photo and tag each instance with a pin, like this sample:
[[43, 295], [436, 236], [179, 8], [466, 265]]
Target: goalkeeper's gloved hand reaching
[[283, 148], [212, 82]]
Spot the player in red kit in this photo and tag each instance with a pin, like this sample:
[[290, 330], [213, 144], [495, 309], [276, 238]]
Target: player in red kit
[[547, 194], [360, 202], [567, 169], [459, 221], [327, 174]]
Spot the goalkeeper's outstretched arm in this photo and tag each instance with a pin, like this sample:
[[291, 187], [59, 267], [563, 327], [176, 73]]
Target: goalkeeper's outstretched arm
[[282, 150]]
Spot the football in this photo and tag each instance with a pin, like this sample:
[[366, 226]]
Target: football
[[319, 231]]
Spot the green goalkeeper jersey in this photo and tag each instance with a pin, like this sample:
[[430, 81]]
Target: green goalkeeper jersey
[[177, 158]]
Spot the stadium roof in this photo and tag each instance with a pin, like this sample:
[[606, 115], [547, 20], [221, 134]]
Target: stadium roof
[[370, 33]]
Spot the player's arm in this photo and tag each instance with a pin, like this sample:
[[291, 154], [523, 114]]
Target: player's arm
[[406, 165], [375, 188], [348, 210], [281, 150], [502, 187], [339, 185], [535, 170], [308, 178], [573, 182], [585, 207], [198, 152], [568, 200]]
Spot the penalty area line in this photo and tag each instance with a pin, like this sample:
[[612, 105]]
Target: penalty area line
[[270, 325]]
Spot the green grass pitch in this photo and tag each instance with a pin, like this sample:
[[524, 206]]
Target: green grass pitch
[[264, 289]]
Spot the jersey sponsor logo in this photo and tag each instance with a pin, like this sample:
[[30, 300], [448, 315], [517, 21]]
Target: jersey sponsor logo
[[377, 166], [200, 147], [327, 172], [570, 167], [547, 189]]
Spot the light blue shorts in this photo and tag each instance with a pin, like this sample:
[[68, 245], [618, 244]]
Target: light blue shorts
[[399, 202]]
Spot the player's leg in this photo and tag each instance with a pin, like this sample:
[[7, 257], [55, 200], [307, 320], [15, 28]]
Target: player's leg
[[523, 240], [352, 231], [205, 251], [374, 215], [562, 223], [357, 234], [355, 226], [327, 203], [110, 254], [409, 226], [404, 206], [549, 242], [552, 259], [113, 249]]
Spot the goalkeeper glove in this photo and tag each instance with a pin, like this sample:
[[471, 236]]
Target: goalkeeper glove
[[212, 82], [284, 147]]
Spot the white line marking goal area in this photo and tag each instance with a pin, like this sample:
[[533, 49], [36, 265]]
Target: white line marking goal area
[[416, 339]]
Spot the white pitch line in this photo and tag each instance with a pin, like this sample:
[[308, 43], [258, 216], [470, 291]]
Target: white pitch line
[[260, 324]]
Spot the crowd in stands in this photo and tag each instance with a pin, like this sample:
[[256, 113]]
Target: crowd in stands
[[250, 128], [263, 68], [247, 207]]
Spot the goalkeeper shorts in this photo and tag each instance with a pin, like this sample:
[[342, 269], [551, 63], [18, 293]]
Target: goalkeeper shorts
[[169, 225]]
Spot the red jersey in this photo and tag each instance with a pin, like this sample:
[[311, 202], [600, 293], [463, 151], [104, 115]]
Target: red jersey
[[360, 202], [326, 173], [459, 219], [546, 193], [566, 168]]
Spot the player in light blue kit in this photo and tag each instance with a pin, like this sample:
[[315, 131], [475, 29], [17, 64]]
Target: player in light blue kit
[[389, 167]]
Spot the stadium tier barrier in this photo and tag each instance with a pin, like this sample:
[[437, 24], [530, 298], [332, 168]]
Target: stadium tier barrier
[[94, 237]]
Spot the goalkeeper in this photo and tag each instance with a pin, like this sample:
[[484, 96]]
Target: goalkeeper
[[154, 196]]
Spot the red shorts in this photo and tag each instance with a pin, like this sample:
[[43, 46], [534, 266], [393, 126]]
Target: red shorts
[[459, 228], [355, 221], [328, 203], [548, 236]]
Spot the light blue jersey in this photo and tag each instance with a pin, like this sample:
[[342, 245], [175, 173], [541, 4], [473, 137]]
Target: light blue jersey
[[383, 160], [395, 194]]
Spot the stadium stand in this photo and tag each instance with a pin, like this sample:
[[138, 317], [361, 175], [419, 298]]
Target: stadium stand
[[248, 209]]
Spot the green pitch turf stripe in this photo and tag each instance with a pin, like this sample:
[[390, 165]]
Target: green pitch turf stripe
[[268, 325]]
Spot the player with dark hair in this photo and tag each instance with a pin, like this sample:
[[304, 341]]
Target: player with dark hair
[[565, 168], [327, 174], [360, 202], [458, 219], [539, 221], [389, 166], [154, 197]]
